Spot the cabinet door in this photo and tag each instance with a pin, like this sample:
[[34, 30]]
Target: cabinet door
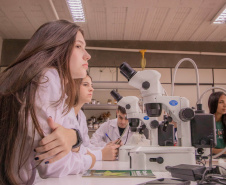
[[190, 92], [220, 85], [189, 76], [111, 85], [103, 74], [127, 92], [165, 74], [220, 76], [102, 95]]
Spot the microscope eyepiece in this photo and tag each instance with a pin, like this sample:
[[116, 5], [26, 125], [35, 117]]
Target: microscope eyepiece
[[127, 71], [153, 109], [116, 95], [133, 123]]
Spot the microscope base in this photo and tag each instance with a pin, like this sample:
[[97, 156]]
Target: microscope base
[[157, 158], [124, 152]]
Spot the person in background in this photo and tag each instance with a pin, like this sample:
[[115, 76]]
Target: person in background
[[34, 103], [217, 106], [110, 131], [108, 152]]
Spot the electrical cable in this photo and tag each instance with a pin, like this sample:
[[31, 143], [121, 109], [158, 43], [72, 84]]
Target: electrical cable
[[196, 71], [211, 88], [212, 177], [126, 137]]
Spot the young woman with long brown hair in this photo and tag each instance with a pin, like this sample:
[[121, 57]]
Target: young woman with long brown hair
[[217, 106], [32, 90], [105, 153]]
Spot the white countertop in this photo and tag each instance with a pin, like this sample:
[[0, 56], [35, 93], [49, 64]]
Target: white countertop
[[102, 165]]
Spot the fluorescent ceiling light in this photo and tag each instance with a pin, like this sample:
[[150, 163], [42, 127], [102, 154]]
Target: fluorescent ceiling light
[[76, 9], [220, 18]]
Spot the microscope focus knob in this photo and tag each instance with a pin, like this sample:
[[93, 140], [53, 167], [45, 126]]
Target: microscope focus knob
[[158, 160], [128, 106], [146, 85], [169, 119], [143, 127], [200, 151], [154, 124], [186, 114]]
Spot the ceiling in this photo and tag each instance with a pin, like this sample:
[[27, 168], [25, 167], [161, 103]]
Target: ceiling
[[137, 20]]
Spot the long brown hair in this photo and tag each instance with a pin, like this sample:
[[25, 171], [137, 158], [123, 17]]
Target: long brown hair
[[50, 47], [213, 104]]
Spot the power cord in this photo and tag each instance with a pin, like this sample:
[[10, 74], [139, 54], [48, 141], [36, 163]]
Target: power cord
[[201, 160], [212, 176]]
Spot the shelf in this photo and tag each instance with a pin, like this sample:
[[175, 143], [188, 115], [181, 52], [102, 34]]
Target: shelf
[[99, 107]]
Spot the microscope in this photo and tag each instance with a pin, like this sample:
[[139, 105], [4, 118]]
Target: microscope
[[156, 157]]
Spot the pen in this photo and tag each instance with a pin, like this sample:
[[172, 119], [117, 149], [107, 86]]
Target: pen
[[108, 136], [119, 139]]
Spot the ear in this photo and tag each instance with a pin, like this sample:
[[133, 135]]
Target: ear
[[116, 113]]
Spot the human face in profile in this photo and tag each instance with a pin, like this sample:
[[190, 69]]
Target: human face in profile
[[221, 108], [86, 90], [79, 58], [122, 119]]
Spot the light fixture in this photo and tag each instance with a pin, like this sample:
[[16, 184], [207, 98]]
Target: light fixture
[[220, 18], [76, 9], [143, 59]]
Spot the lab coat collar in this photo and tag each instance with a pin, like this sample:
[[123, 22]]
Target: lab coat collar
[[113, 122]]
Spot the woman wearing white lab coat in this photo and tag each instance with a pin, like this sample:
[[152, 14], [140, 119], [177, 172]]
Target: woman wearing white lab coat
[[108, 152]]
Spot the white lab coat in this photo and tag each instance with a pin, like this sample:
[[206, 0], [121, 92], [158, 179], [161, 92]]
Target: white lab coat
[[110, 128], [83, 128], [49, 91]]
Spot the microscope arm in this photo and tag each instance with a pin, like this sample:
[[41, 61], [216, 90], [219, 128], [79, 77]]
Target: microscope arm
[[134, 113], [178, 108], [148, 82]]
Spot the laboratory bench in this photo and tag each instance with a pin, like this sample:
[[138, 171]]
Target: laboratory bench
[[103, 165]]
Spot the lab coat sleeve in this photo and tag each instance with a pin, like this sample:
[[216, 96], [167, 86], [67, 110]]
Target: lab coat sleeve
[[49, 92], [98, 137], [85, 137], [72, 163]]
